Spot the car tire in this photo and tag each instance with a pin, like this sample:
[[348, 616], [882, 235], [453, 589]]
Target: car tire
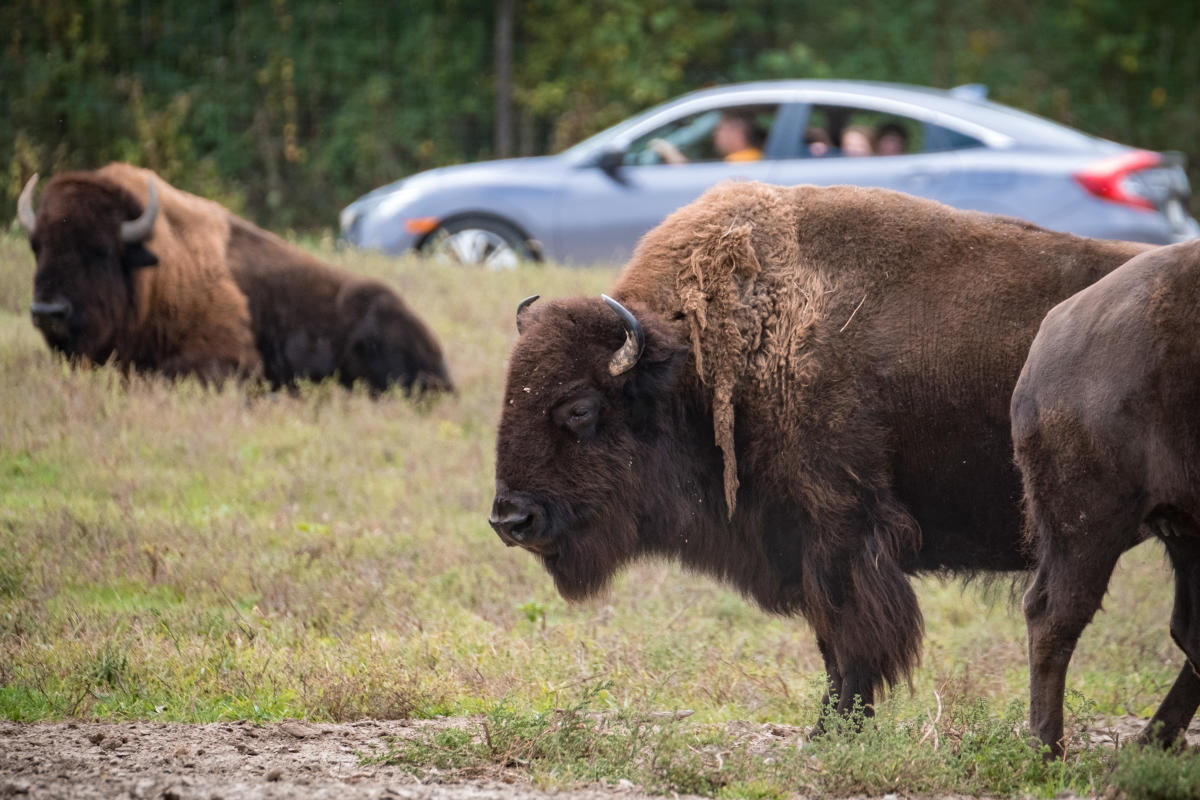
[[478, 242]]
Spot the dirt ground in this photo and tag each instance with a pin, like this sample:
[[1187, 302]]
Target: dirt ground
[[233, 761], [246, 761]]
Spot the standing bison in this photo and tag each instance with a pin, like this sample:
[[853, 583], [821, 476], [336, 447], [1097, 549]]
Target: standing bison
[[1106, 424], [131, 269], [800, 391]]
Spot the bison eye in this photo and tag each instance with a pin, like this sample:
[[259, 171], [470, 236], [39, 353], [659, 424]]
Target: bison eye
[[578, 416], [99, 255]]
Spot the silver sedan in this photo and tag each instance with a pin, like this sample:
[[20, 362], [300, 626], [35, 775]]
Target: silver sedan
[[593, 201]]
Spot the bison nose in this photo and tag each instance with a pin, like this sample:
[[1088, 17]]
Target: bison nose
[[516, 520], [55, 310], [511, 527], [51, 317]]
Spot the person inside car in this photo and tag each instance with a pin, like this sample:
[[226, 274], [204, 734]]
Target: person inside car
[[816, 142], [735, 138], [891, 140], [856, 141]]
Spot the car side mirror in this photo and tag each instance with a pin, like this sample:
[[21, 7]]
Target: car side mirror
[[611, 160]]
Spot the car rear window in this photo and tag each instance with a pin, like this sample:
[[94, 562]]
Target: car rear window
[[834, 130]]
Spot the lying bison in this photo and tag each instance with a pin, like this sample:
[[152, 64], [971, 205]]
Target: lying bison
[[132, 269], [801, 391], [312, 320], [1106, 424]]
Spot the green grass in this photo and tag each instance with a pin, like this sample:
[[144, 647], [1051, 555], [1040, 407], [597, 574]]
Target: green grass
[[971, 747], [173, 552]]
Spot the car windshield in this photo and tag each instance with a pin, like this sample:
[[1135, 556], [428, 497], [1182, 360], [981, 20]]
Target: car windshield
[[731, 133], [608, 134]]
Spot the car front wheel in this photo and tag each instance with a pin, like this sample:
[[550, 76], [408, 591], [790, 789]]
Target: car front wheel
[[478, 241]]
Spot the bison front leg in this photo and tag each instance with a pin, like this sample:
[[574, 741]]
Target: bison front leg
[[210, 371], [833, 687], [868, 623]]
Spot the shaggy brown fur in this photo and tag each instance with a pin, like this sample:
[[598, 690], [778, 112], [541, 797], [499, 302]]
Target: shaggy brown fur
[[211, 294], [168, 305], [312, 320], [1107, 435], [821, 409]]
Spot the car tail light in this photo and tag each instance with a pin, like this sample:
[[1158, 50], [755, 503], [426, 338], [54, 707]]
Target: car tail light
[[1117, 179]]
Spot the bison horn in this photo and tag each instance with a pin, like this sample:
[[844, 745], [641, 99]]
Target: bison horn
[[524, 304], [635, 341], [138, 230], [25, 211]]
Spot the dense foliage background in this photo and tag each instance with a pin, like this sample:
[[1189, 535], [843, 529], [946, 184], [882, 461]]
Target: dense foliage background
[[288, 109]]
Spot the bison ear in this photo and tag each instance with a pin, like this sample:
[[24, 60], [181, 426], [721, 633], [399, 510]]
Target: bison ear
[[136, 256], [654, 377], [661, 360]]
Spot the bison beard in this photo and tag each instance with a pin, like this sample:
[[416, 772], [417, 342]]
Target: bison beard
[[1108, 443], [819, 411]]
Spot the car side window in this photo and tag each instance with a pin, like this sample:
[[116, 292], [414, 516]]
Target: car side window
[[735, 133], [939, 138], [847, 131]]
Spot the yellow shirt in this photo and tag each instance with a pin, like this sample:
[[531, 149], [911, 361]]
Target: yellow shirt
[[748, 154]]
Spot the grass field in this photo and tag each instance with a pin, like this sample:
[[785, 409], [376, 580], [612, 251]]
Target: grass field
[[177, 553]]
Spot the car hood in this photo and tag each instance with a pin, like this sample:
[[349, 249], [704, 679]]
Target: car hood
[[506, 171]]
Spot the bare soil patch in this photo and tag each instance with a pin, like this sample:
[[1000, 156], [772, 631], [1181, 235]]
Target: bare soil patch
[[246, 761], [236, 761]]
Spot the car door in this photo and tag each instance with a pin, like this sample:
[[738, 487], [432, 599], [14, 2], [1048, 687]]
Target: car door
[[604, 208]]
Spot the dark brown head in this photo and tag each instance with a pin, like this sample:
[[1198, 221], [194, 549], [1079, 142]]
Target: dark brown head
[[586, 421], [89, 238], [387, 344]]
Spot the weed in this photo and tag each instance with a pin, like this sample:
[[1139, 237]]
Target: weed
[[12, 575], [973, 750], [534, 612], [1150, 773], [109, 667]]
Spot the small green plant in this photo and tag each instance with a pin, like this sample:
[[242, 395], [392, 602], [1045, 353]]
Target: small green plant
[[968, 749], [12, 575], [1151, 773], [109, 667], [534, 612]]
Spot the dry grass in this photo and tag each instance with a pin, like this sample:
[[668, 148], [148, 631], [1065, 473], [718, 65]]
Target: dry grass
[[177, 553]]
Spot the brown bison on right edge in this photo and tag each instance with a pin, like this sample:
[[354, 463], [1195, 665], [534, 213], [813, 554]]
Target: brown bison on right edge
[[1106, 423], [800, 391]]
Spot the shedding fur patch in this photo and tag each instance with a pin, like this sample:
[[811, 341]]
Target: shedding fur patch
[[750, 312], [713, 279]]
